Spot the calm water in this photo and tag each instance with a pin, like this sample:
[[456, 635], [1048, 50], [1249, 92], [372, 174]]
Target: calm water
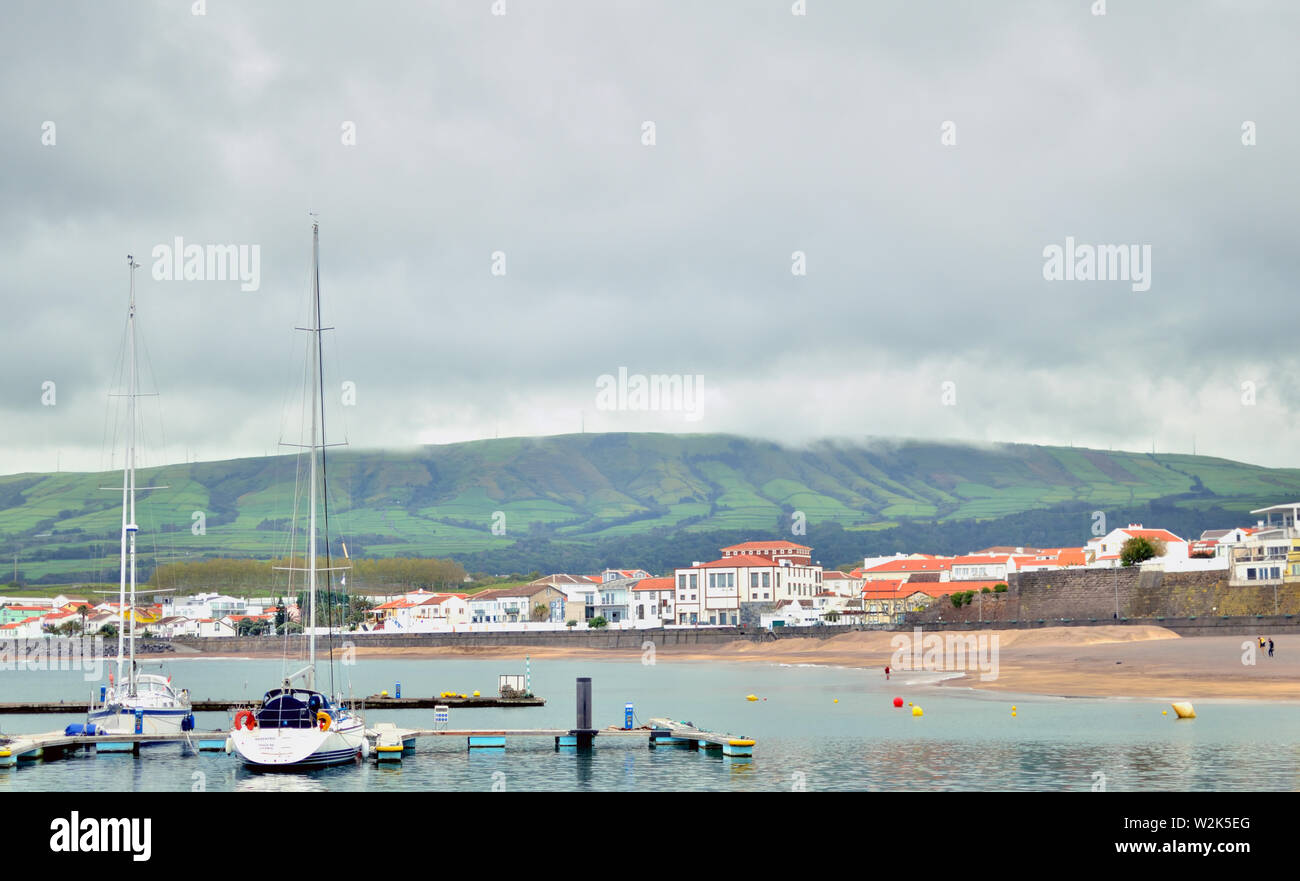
[[965, 741]]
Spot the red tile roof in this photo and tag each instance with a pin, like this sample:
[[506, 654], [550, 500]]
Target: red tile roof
[[927, 565], [976, 559], [654, 584], [885, 588], [766, 545], [738, 560], [1161, 534]]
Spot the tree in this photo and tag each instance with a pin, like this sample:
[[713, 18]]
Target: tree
[[541, 612], [251, 627], [1139, 548]]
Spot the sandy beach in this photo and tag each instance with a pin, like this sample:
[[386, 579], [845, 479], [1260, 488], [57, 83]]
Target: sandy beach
[[1106, 661]]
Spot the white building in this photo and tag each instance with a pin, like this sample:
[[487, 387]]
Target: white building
[[981, 567], [1103, 552], [842, 583], [653, 602], [214, 627], [203, 605], [711, 593]]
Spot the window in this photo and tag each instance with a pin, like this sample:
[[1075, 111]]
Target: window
[[693, 582], [753, 579], [766, 578], [681, 582]]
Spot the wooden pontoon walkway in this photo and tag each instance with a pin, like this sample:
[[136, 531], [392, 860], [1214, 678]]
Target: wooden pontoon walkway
[[374, 702]]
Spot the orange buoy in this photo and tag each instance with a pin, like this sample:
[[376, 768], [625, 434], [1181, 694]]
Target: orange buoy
[[898, 702]]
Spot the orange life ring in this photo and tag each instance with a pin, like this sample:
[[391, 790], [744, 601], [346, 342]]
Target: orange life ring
[[323, 719], [245, 715]]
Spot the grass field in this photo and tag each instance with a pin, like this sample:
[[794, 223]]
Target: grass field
[[446, 500]]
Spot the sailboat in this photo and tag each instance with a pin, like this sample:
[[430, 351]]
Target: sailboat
[[297, 727], [135, 702]]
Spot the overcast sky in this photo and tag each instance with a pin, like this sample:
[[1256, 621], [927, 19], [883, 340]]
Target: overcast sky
[[773, 133]]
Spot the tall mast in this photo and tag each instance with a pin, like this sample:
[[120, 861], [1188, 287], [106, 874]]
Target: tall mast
[[126, 488], [315, 398], [129, 528]]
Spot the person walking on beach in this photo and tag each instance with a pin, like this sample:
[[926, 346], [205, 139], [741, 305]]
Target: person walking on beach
[[1270, 646], [886, 671]]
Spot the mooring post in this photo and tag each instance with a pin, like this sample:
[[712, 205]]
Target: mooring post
[[583, 732]]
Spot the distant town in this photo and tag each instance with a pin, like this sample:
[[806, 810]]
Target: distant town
[[761, 583]]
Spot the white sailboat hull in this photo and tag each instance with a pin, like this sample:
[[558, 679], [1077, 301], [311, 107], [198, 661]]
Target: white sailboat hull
[[120, 719], [300, 748]]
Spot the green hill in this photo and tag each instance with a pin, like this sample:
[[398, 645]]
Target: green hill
[[587, 491]]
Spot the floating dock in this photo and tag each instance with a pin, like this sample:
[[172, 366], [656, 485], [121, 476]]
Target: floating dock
[[374, 702], [389, 743], [56, 744]]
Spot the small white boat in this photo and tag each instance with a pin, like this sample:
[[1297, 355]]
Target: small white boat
[[161, 708], [132, 702], [297, 728]]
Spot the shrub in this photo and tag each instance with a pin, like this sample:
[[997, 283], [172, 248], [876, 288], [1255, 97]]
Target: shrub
[[597, 622], [999, 588], [1139, 548]]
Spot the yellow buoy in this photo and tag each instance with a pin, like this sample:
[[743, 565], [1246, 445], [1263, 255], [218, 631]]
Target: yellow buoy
[[836, 701], [1184, 710], [383, 694], [916, 711], [1013, 708], [476, 694], [1164, 712], [751, 697]]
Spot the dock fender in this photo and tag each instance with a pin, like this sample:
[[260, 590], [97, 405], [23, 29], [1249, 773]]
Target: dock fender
[[365, 749]]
